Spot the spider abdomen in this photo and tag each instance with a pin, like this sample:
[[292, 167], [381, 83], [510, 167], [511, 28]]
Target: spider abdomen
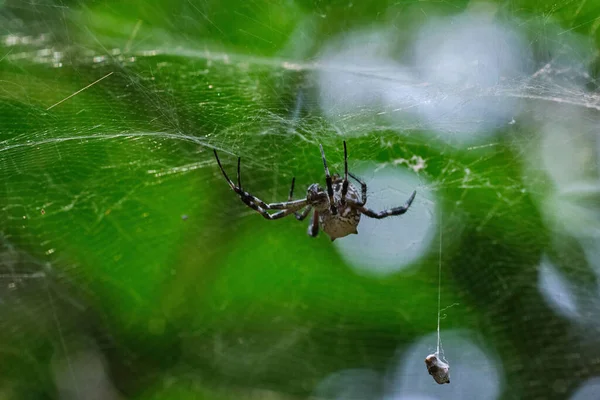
[[345, 222]]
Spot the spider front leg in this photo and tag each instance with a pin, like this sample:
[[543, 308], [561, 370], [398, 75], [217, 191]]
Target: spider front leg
[[279, 214], [345, 184], [363, 187], [266, 215], [329, 182], [303, 214], [385, 213], [250, 199]]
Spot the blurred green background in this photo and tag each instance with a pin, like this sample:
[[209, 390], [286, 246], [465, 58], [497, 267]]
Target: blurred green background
[[130, 270]]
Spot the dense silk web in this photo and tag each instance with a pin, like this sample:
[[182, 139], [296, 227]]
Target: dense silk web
[[100, 170]]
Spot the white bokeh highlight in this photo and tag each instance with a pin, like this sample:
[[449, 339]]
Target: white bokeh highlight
[[386, 246], [556, 290], [83, 374], [589, 390], [474, 373], [451, 81], [356, 73], [568, 153], [578, 303], [465, 61]]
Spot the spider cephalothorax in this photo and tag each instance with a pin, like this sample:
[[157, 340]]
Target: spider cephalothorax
[[315, 196], [337, 209]]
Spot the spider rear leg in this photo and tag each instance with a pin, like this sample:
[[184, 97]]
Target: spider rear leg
[[386, 213], [329, 182], [363, 188]]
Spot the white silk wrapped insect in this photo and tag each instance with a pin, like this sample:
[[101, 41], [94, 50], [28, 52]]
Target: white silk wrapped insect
[[438, 369]]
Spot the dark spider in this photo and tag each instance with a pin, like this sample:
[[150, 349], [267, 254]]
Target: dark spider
[[336, 210]]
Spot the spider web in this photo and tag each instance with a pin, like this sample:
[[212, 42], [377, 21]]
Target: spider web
[[127, 264]]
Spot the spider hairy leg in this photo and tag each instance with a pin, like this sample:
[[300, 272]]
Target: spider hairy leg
[[329, 182], [299, 216], [386, 213], [363, 188], [313, 227], [239, 176], [291, 195], [245, 196], [257, 204], [345, 184], [223, 170], [266, 215]]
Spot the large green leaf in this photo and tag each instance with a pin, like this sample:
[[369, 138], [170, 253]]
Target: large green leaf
[[126, 257]]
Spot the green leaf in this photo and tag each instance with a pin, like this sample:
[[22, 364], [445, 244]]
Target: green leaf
[[121, 240]]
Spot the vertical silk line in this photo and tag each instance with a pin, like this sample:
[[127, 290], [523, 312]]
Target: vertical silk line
[[439, 287], [437, 366]]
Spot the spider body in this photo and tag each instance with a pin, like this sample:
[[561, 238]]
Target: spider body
[[346, 220], [337, 210]]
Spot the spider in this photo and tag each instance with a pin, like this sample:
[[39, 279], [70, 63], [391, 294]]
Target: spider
[[337, 209]]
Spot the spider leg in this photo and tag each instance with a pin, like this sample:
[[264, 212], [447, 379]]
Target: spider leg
[[313, 227], [265, 214], [223, 171], [385, 213], [363, 187], [239, 176], [329, 183], [248, 198], [303, 214], [292, 189], [345, 184]]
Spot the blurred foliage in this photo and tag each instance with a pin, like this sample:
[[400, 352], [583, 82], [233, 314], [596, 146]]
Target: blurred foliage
[[114, 196]]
